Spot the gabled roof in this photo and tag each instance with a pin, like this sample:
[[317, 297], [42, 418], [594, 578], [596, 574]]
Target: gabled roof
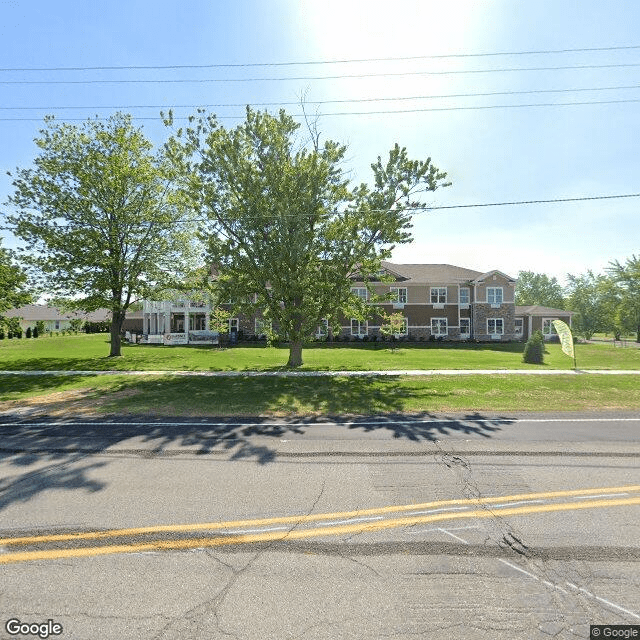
[[539, 310], [35, 312], [494, 272], [431, 273]]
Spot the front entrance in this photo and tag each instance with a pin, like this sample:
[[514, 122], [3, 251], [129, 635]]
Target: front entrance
[[177, 323]]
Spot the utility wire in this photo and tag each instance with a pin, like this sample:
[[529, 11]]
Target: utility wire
[[371, 113], [335, 77], [328, 62], [521, 202], [428, 208], [321, 102]]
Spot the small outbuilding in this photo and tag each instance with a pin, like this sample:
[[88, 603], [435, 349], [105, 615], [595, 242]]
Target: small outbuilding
[[536, 317]]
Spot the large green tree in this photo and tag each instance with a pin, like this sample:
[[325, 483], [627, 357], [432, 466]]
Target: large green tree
[[13, 284], [100, 220], [589, 296], [538, 288], [285, 228], [627, 278]]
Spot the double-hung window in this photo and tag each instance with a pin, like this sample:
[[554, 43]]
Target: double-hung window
[[358, 327], [519, 326], [234, 324], [399, 295], [322, 330], [361, 292], [262, 326], [438, 295], [465, 327], [464, 295], [404, 330], [494, 295], [548, 329], [495, 326], [438, 326]]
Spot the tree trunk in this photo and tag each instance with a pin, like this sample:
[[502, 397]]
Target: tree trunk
[[638, 333], [295, 353], [117, 318]]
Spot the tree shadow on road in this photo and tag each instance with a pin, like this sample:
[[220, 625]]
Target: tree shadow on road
[[41, 453]]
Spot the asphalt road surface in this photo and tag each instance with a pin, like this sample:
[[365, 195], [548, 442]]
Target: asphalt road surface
[[476, 526]]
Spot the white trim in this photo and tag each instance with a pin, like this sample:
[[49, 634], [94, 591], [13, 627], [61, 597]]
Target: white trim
[[495, 333], [439, 302], [494, 304], [358, 292], [552, 330], [515, 326], [440, 333], [322, 330], [398, 300], [259, 325], [361, 323]]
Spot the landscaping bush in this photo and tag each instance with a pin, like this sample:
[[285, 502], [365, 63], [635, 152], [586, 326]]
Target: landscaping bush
[[534, 349], [28, 334]]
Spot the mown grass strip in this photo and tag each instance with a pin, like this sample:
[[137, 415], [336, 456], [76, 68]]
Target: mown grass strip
[[201, 396]]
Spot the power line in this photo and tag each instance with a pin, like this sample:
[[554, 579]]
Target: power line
[[334, 77], [373, 113], [427, 208], [550, 201], [328, 62], [322, 102]]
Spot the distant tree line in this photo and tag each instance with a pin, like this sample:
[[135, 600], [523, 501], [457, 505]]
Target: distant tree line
[[607, 302]]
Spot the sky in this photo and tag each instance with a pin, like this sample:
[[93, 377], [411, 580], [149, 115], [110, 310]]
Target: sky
[[407, 61]]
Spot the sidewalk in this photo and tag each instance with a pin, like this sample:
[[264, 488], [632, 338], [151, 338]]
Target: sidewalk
[[318, 374]]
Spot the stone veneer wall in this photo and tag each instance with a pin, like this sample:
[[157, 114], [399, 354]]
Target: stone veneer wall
[[482, 311]]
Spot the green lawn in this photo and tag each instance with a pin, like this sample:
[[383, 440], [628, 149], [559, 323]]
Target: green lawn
[[200, 396], [88, 352]]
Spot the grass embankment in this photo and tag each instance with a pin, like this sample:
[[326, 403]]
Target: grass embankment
[[200, 396], [88, 352]]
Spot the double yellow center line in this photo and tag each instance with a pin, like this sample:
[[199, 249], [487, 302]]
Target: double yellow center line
[[368, 520]]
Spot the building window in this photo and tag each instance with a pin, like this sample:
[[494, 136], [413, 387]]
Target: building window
[[234, 324], [405, 328], [464, 295], [439, 326], [399, 294], [322, 330], [361, 292], [358, 327], [548, 329], [495, 326], [465, 327], [197, 322], [494, 295], [262, 326], [519, 326], [57, 325], [438, 295]]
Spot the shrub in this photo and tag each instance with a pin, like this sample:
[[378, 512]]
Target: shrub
[[28, 334], [35, 333], [534, 349]]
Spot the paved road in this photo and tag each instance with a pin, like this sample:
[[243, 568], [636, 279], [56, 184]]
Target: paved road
[[482, 526]]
